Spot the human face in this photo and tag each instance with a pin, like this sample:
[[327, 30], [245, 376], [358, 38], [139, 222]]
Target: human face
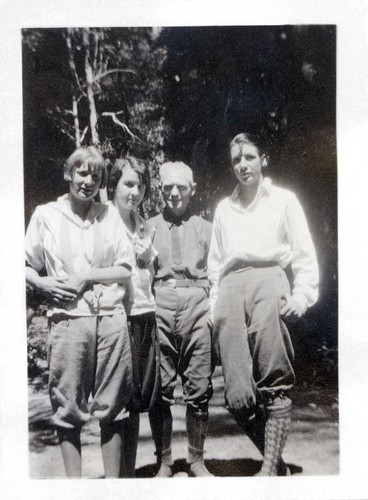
[[247, 164], [84, 184], [176, 191], [129, 191]]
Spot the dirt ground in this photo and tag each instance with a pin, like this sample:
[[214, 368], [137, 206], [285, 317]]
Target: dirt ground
[[312, 447]]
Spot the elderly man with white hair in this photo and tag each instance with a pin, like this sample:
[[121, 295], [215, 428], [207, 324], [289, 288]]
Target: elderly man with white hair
[[181, 286]]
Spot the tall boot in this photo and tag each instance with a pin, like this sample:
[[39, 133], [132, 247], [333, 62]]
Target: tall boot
[[161, 426], [276, 431], [197, 424]]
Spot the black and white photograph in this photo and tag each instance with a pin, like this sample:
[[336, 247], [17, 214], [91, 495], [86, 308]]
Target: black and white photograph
[[183, 304], [234, 126]]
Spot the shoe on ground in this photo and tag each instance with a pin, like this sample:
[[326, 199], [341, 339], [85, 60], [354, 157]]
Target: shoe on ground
[[164, 471], [198, 469]]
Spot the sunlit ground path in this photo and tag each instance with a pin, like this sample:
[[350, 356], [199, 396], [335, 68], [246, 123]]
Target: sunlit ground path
[[312, 447]]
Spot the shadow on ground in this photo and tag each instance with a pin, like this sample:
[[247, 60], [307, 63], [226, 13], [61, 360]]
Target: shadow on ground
[[219, 468]]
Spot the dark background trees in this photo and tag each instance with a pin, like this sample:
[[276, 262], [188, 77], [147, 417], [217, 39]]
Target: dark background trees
[[180, 94]]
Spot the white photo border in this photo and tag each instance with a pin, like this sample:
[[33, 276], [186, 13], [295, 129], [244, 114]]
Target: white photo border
[[352, 135]]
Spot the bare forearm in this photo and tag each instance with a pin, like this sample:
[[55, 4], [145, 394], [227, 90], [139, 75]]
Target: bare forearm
[[54, 289], [32, 277], [106, 275]]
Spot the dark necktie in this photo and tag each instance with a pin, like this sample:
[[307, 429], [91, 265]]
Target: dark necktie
[[175, 245]]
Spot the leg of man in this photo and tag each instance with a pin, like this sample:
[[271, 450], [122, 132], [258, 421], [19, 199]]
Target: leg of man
[[236, 321], [160, 414], [161, 426], [195, 368], [272, 355], [231, 343]]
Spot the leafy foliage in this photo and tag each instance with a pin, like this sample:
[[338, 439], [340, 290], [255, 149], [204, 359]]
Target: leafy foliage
[[37, 343], [82, 86]]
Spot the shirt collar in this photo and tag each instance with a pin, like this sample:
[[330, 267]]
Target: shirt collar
[[170, 219], [64, 207], [263, 190]]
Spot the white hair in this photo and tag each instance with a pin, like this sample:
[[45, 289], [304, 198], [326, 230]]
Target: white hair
[[178, 166]]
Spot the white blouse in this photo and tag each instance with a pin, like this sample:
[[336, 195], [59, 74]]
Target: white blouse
[[64, 244]]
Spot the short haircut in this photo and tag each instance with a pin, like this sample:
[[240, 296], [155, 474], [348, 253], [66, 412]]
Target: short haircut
[[246, 138], [135, 164], [89, 156], [179, 166]]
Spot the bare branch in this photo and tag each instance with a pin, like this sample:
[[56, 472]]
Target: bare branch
[[83, 135], [64, 126], [121, 124], [108, 72], [72, 67], [64, 131], [96, 49]]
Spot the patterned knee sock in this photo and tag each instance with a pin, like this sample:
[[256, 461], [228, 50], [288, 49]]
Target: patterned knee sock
[[275, 437]]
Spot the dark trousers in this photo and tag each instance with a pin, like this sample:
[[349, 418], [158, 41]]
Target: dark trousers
[[146, 361]]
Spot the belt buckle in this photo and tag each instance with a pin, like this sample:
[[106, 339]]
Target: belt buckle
[[172, 282]]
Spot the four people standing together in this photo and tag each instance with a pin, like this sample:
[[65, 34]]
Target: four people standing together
[[134, 304]]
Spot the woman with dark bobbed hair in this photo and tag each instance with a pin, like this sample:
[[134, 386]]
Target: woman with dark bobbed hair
[[128, 185]]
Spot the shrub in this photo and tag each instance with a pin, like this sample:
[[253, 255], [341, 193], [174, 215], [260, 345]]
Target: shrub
[[37, 343]]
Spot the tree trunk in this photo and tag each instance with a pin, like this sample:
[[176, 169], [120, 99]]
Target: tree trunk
[[74, 74], [90, 92], [76, 122]]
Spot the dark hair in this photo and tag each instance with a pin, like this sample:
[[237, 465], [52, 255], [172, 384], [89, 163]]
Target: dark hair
[[246, 138], [89, 156], [135, 164]]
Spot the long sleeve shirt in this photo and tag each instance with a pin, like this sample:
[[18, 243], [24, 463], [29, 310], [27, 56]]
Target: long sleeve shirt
[[195, 236], [62, 243], [272, 228]]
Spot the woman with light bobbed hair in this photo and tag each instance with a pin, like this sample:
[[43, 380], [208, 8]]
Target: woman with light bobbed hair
[[88, 259], [90, 156]]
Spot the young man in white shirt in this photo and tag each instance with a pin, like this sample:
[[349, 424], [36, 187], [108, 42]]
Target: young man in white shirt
[[257, 232]]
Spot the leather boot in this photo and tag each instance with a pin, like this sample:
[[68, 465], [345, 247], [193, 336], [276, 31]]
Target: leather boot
[[197, 424], [161, 426]]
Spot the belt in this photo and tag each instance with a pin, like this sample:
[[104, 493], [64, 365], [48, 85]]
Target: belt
[[182, 283], [247, 264]]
